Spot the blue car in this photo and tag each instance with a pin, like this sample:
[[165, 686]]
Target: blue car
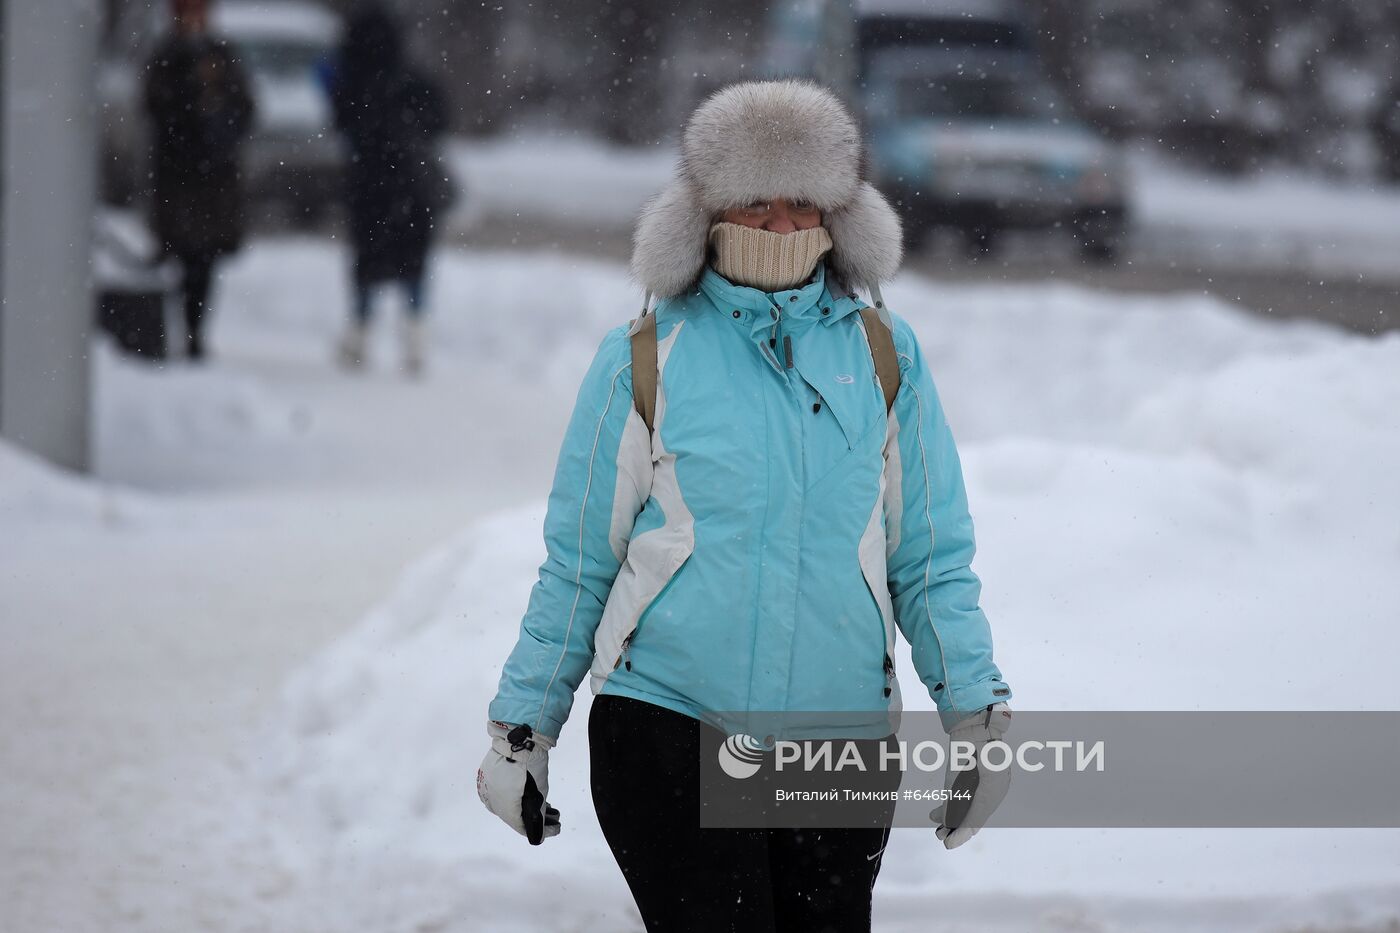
[[976, 141]]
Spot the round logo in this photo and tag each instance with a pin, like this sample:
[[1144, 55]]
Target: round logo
[[740, 756]]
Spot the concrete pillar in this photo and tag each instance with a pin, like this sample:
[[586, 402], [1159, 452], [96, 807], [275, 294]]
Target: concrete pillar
[[47, 198]]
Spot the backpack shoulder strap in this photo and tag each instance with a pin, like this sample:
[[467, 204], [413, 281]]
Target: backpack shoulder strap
[[644, 361], [882, 351], [644, 367]]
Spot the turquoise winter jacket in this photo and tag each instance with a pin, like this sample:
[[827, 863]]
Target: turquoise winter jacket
[[758, 551]]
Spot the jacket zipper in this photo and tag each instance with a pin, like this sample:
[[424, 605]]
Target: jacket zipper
[[889, 662], [787, 354], [787, 338], [773, 340]]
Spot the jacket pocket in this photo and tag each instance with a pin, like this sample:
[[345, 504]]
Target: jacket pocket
[[654, 559], [864, 450], [840, 420], [640, 584], [624, 657]]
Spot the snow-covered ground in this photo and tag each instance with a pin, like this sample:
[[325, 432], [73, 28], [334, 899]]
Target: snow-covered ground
[[246, 667]]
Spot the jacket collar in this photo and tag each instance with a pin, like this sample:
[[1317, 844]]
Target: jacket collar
[[758, 312]]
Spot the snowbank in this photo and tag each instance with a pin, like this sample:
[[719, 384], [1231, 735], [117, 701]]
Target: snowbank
[[1274, 202], [281, 304], [1178, 507], [373, 771], [1273, 220], [33, 492]]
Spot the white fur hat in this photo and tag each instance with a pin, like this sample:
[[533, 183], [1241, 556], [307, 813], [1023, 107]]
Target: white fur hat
[[767, 139]]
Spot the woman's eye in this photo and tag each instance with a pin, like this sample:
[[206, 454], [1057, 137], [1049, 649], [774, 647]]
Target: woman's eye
[[803, 206], [757, 207]]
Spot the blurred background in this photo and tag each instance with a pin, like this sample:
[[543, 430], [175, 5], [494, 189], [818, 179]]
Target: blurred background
[[267, 527], [1155, 141]]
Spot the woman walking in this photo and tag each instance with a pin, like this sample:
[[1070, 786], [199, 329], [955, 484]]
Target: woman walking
[[390, 115], [758, 545]]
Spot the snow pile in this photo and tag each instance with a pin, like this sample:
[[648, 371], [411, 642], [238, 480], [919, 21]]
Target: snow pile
[[271, 403], [1178, 507], [1274, 202], [445, 608], [1065, 364], [204, 406], [158, 424], [33, 492], [1275, 219], [374, 769]]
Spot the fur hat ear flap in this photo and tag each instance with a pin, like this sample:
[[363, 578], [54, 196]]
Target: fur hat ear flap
[[671, 241], [868, 239]]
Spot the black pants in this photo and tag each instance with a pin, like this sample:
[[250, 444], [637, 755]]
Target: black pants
[[198, 271], [646, 789]]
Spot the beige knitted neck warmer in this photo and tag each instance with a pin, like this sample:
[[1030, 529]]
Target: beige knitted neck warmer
[[766, 260]]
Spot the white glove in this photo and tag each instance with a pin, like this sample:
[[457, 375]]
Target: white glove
[[961, 818], [513, 780]]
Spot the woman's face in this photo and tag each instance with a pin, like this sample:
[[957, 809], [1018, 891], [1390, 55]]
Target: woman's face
[[775, 214]]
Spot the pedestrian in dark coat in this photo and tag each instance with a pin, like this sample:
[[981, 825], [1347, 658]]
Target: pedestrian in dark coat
[[390, 115], [201, 111]]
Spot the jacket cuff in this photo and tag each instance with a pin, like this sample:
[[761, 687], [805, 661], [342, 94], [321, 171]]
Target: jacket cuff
[[515, 712], [971, 699]]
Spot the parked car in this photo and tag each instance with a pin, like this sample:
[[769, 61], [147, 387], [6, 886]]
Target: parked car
[[965, 131], [294, 159], [979, 142], [938, 25]]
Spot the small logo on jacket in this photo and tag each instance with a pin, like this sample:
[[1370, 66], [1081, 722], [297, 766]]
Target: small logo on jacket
[[845, 378], [740, 755]]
